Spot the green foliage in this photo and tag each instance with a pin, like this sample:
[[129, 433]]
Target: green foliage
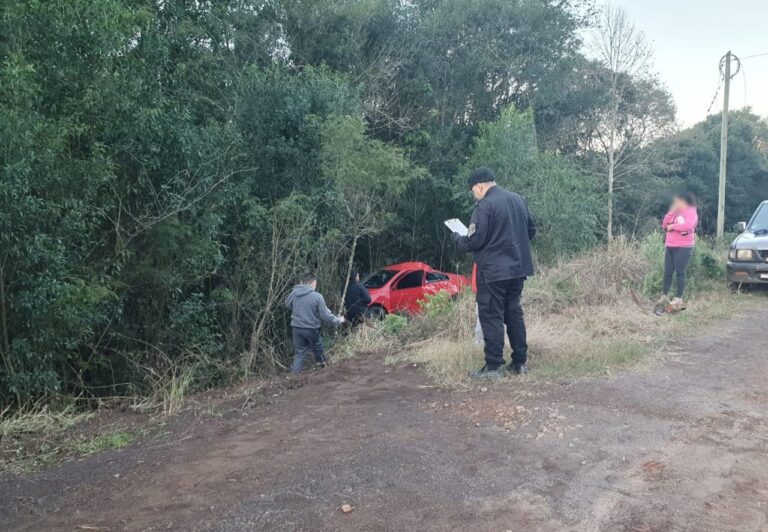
[[169, 168], [652, 247], [367, 173], [101, 442], [438, 305], [705, 270], [690, 160], [356, 163], [394, 324], [564, 201]]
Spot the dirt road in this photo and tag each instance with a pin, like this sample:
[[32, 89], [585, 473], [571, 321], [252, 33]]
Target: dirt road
[[681, 444]]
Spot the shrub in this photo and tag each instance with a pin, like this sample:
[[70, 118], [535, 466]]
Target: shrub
[[439, 304], [594, 277], [580, 317], [707, 266], [394, 324]]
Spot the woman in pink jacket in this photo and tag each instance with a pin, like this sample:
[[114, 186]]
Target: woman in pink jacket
[[680, 227]]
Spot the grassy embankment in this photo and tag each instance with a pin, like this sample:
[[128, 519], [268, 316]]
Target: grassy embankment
[[36, 439], [581, 319], [580, 313]]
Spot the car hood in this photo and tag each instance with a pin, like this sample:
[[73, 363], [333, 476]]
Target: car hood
[[749, 240]]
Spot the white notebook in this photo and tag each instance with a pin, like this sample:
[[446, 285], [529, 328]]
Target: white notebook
[[455, 225]]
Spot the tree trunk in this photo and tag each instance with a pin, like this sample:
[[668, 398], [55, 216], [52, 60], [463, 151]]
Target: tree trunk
[[350, 264]]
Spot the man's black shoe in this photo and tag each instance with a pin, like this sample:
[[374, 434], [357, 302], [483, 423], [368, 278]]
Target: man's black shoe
[[518, 369], [487, 374]]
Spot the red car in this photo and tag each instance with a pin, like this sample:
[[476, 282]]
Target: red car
[[402, 287]]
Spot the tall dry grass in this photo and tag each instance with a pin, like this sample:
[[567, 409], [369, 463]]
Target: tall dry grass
[[580, 315]]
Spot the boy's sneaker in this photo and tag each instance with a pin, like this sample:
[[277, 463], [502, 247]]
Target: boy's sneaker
[[487, 374]]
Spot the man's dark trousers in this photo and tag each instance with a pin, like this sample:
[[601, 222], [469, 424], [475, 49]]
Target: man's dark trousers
[[306, 342], [498, 304]]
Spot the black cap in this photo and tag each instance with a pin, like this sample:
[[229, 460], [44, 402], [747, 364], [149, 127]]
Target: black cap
[[481, 175]]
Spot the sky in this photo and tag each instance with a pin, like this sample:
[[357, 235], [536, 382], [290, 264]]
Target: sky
[[690, 36]]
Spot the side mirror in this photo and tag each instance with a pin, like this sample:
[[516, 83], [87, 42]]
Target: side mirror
[[740, 227]]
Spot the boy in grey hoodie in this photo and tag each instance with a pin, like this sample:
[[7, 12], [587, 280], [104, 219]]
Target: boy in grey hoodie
[[308, 310]]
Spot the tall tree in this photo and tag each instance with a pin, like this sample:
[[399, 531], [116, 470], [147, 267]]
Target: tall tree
[[690, 159], [623, 56], [563, 199], [368, 174]]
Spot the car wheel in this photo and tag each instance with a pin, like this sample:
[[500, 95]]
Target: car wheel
[[376, 312]]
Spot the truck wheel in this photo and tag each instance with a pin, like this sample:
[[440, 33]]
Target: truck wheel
[[740, 288]]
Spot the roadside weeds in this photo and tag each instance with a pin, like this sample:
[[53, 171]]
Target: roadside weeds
[[581, 320], [580, 316]]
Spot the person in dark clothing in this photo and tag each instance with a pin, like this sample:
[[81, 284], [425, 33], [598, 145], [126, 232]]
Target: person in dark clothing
[[308, 310], [356, 300], [499, 236]]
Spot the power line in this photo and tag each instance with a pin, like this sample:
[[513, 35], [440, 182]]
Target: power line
[[744, 79], [755, 55], [717, 93]]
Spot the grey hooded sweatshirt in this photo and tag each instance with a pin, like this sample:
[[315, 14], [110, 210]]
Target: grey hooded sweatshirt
[[308, 308]]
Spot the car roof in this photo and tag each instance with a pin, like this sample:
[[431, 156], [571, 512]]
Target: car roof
[[414, 265]]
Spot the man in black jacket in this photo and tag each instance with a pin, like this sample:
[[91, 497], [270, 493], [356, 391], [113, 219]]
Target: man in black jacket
[[499, 236], [356, 300]]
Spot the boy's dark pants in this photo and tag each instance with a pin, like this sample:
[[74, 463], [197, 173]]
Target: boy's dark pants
[[306, 342]]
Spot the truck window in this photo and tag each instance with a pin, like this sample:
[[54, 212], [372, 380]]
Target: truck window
[[759, 219]]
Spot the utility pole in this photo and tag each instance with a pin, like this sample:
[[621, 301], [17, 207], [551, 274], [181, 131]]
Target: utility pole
[[725, 70]]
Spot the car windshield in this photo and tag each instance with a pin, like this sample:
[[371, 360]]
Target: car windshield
[[759, 220], [378, 279]]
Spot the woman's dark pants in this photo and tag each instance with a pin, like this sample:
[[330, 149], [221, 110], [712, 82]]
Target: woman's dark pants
[[675, 263]]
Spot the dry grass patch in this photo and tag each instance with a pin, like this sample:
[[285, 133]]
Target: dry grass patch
[[573, 343], [580, 315], [43, 420], [446, 361]]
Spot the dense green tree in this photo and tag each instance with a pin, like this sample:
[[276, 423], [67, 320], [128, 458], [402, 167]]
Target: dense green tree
[[169, 168], [564, 201], [691, 159]]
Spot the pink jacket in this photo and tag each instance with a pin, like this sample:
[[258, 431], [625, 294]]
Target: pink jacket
[[681, 228]]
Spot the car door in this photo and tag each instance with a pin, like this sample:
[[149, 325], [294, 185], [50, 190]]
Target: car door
[[407, 291], [438, 281]]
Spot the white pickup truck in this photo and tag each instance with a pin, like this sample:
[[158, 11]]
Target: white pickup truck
[[748, 256]]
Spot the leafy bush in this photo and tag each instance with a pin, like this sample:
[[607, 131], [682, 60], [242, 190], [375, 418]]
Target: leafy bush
[[706, 268], [564, 201], [394, 324], [595, 277], [438, 305]]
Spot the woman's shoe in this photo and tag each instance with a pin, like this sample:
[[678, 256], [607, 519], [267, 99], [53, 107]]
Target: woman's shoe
[[676, 305]]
